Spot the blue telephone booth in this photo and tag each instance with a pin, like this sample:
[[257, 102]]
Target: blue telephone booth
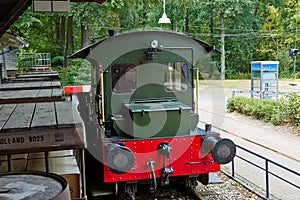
[[264, 79]]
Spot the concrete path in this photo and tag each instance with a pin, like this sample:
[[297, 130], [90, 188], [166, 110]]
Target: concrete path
[[277, 144]]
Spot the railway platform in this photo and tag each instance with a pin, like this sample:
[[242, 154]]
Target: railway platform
[[35, 119]]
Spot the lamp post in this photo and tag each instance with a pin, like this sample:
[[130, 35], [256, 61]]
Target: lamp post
[[293, 52], [164, 19]]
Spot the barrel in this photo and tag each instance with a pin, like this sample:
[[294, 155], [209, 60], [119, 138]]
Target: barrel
[[33, 185]]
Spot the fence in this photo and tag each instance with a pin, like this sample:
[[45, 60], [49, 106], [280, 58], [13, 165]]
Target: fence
[[35, 61], [265, 169], [248, 93]]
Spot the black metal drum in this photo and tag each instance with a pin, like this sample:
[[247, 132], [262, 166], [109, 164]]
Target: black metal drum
[[33, 185]]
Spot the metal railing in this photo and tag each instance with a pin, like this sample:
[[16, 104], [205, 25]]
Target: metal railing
[[265, 169], [35, 61], [260, 94]]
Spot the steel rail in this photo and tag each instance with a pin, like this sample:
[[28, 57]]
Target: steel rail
[[197, 195]]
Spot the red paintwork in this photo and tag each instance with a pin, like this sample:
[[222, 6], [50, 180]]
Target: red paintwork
[[185, 151], [72, 89]]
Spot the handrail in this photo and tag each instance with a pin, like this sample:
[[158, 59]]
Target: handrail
[[197, 90], [266, 169]]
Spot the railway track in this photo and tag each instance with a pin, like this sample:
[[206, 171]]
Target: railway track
[[228, 190], [197, 195], [172, 194]]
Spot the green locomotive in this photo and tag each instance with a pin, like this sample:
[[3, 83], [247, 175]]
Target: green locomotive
[[141, 114]]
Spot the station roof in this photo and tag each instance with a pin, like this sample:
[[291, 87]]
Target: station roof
[[13, 40], [10, 10]]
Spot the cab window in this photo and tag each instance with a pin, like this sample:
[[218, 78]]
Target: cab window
[[176, 76], [123, 78]]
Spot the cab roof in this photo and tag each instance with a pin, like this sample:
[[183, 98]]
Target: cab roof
[[84, 52]]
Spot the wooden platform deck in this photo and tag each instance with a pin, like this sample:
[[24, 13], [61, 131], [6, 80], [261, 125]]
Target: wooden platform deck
[[37, 76], [38, 87], [49, 75], [37, 127], [30, 85], [35, 117], [27, 96]]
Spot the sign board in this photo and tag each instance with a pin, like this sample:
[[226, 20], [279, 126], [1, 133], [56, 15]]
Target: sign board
[[51, 5]]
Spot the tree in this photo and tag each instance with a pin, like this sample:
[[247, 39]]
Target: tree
[[69, 41], [87, 22], [292, 10], [229, 12], [271, 31], [38, 30]]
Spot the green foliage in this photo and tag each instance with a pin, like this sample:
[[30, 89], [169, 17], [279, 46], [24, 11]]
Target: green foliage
[[290, 108], [88, 16], [285, 66], [254, 30], [260, 109], [237, 75], [38, 30], [284, 111], [84, 72], [64, 75], [79, 73], [271, 30]]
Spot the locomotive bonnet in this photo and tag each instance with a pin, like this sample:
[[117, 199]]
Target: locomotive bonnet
[[141, 114]]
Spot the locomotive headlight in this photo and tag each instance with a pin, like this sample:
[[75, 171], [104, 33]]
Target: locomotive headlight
[[224, 151], [119, 159], [154, 44]]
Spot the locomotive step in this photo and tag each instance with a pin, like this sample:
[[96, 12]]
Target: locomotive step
[[99, 193]]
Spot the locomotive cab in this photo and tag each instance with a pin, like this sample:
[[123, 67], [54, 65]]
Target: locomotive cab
[[150, 98], [145, 104]]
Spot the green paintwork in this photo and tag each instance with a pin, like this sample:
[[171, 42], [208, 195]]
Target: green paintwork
[[158, 119], [173, 118], [175, 115]]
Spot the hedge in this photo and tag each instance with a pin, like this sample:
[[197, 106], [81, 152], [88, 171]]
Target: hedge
[[284, 111]]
